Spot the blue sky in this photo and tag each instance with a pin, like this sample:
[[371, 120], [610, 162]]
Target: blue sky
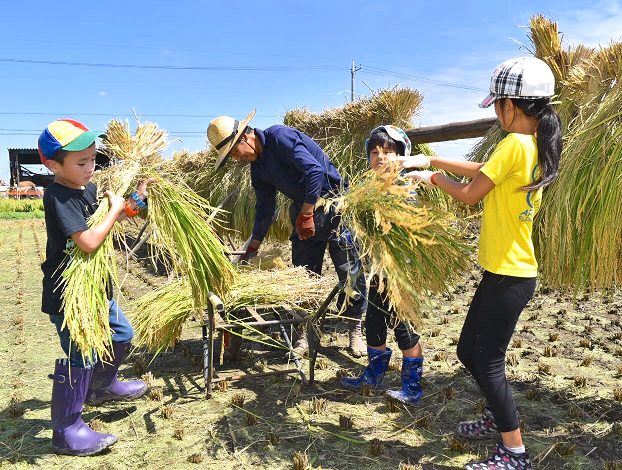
[[274, 56]]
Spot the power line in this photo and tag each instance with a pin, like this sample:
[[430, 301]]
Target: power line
[[36, 113], [280, 68], [29, 132], [388, 73]]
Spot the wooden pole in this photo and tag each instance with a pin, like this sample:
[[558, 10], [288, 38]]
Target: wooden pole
[[451, 131]]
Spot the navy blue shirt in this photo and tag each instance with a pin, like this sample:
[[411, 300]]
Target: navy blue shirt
[[290, 162]]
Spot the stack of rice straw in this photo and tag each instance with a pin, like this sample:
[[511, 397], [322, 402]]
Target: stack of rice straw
[[159, 316], [181, 229], [577, 232]]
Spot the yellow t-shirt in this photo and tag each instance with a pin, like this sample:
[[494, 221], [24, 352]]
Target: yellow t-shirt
[[505, 245]]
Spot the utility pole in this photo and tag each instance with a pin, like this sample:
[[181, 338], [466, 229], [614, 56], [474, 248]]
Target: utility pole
[[353, 70]]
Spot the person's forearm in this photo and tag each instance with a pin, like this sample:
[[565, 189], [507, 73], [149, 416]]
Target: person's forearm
[[469, 193], [458, 167], [307, 208], [89, 240]]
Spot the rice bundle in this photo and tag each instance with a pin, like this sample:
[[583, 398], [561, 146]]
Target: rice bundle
[[181, 228], [579, 235], [180, 225], [341, 132], [411, 245], [160, 315], [87, 277], [577, 231]]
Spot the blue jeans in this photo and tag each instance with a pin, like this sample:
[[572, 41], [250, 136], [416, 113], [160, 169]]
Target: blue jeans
[[122, 332]]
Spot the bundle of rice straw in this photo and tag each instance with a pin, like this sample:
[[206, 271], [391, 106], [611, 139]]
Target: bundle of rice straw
[[410, 244], [341, 132], [182, 228], [577, 234], [160, 315], [86, 279], [179, 220]]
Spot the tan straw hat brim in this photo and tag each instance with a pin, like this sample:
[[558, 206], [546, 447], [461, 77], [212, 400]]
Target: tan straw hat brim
[[224, 151]]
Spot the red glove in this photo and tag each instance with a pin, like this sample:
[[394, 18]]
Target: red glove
[[249, 254], [305, 226]]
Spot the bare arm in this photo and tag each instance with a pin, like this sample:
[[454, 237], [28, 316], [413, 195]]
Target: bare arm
[[458, 167], [468, 193], [89, 240]]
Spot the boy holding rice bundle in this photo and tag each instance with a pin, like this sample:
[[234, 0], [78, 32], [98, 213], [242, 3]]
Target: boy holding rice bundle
[[67, 149], [385, 144]]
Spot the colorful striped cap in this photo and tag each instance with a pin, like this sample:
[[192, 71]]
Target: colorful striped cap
[[67, 135]]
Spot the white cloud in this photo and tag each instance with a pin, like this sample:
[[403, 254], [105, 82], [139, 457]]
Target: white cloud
[[102, 93], [599, 24]]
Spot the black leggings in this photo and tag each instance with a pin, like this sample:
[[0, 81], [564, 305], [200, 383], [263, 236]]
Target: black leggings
[[488, 328], [380, 317]]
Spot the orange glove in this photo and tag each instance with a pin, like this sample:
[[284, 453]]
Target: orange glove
[[249, 254], [305, 226]]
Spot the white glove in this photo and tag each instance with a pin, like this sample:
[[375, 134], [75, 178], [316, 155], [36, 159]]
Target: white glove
[[414, 161], [426, 176]]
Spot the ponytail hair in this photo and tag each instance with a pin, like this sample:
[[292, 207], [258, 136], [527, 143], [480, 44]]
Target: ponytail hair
[[549, 138]]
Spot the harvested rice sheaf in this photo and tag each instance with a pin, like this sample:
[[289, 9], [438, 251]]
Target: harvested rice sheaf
[[88, 276], [181, 226], [577, 234], [159, 316], [411, 244]]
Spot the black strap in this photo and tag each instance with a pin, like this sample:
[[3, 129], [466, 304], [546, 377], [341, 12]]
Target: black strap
[[236, 124]]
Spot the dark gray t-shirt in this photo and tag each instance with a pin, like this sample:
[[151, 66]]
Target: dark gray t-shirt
[[66, 212]]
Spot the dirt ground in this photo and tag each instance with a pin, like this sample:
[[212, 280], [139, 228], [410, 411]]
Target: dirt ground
[[564, 364]]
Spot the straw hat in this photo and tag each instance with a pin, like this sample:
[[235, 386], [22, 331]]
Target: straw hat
[[224, 132]]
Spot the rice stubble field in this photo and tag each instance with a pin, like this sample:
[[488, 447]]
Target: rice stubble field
[[564, 364]]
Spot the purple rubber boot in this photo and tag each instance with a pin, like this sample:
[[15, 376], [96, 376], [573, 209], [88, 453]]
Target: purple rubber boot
[[106, 387], [70, 435]]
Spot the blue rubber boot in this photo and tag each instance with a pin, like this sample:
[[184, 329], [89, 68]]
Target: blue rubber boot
[[412, 370], [373, 373]]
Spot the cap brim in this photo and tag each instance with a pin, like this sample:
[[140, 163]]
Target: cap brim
[[486, 102], [83, 141], [223, 153]]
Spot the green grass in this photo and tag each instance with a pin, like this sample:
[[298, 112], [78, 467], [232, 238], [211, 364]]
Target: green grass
[[21, 205], [22, 215]]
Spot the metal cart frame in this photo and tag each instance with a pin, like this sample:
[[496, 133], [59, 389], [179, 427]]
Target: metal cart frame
[[214, 324]]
